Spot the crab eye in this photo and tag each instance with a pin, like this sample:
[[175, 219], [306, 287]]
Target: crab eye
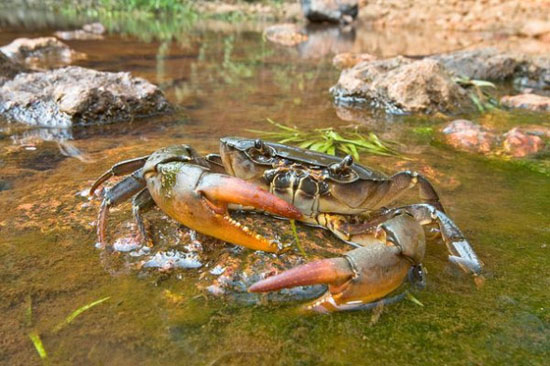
[[342, 170], [261, 152]]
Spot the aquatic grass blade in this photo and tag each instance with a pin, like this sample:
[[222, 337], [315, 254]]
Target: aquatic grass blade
[[37, 342], [28, 312], [297, 240], [77, 312], [413, 299]]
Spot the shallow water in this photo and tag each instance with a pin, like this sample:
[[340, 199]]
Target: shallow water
[[224, 80]]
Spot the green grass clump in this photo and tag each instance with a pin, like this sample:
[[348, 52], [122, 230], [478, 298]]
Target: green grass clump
[[330, 141]]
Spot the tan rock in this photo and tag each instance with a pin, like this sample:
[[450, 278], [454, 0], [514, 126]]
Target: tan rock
[[40, 53], [348, 59], [400, 85], [285, 34], [535, 28]]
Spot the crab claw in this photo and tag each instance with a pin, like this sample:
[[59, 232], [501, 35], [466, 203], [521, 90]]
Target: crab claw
[[198, 199], [363, 275], [230, 190]]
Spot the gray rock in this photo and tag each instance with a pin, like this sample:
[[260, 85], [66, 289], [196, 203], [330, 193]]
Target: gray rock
[[75, 95], [480, 64], [401, 85], [534, 73], [491, 64], [334, 11]]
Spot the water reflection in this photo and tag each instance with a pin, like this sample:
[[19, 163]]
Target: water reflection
[[326, 40]]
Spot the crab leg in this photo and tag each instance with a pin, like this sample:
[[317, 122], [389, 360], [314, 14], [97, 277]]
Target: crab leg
[[120, 192], [461, 252], [141, 203], [403, 181], [198, 199], [363, 275], [122, 168]]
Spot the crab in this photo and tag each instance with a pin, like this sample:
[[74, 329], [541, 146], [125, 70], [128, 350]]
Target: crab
[[293, 183]]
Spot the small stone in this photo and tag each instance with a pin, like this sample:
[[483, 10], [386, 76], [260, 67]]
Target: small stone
[[95, 28], [334, 11], [288, 34], [466, 135], [347, 59], [41, 53], [519, 143], [532, 102], [535, 28], [93, 31]]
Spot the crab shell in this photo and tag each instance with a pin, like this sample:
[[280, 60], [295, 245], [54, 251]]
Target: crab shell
[[311, 181]]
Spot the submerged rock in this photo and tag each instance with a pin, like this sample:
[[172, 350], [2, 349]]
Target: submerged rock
[[401, 85], [532, 102], [285, 34], [466, 135], [520, 142], [335, 11], [76, 95], [91, 31], [41, 53]]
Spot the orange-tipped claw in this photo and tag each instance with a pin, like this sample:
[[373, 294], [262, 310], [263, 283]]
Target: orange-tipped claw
[[226, 189], [198, 199], [333, 271], [365, 275]]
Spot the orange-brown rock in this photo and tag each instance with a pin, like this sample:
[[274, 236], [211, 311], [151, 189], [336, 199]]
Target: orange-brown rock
[[532, 102]]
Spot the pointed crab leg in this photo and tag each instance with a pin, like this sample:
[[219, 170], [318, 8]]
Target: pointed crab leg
[[122, 168]]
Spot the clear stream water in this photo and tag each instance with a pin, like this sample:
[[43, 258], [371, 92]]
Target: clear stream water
[[224, 79]]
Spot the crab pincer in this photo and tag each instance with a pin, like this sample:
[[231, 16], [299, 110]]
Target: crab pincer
[[363, 275], [199, 199], [188, 188]]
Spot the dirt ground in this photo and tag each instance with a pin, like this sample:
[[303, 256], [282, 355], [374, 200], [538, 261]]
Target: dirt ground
[[509, 16]]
